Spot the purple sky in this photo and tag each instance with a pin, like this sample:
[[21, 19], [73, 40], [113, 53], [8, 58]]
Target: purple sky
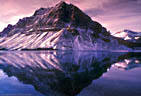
[[115, 15]]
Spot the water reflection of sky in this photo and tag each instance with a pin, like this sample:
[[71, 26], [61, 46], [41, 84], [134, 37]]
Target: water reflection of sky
[[11, 86], [116, 83]]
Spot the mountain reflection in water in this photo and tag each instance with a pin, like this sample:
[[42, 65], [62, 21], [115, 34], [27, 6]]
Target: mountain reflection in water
[[63, 73]]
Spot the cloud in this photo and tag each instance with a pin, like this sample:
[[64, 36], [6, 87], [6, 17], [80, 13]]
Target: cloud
[[116, 15]]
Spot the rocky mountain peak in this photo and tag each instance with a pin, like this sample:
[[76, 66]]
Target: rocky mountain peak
[[61, 15], [7, 30], [61, 3], [64, 13]]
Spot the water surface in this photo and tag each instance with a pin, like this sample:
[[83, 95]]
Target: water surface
[[69, 73]]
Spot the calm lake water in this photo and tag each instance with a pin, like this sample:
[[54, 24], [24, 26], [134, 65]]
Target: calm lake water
[[69, 73]]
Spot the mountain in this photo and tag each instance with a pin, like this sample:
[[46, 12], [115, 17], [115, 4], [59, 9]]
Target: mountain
[[129, 38], [129, 35], [63, 26]]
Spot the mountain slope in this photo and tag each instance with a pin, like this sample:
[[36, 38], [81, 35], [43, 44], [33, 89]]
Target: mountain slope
[[61, 27]]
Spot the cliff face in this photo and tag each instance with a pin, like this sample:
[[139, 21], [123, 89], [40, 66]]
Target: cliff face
[[63, 26]]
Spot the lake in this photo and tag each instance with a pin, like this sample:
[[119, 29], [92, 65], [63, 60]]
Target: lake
[[70, 73]]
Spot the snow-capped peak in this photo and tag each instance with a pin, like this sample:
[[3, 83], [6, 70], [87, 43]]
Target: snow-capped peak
[[128, 35]]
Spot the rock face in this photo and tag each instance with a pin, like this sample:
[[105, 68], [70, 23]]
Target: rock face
[[63, 27]]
